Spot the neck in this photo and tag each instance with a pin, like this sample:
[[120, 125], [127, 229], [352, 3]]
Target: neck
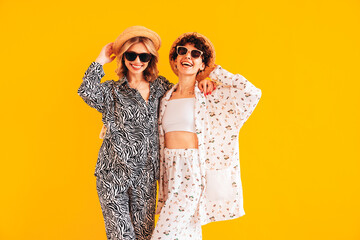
[[186, 84], [135, 78]]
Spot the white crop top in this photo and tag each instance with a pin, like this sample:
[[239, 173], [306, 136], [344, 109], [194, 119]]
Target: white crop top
[[179, 115]]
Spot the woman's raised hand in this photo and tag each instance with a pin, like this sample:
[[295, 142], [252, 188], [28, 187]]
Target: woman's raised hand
[[105, 54]]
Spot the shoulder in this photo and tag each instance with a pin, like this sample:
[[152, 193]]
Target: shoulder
[[109, 84], [162, 83], [161, 79]]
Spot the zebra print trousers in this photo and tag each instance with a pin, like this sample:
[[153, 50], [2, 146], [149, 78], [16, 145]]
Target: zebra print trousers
[[128, 206]]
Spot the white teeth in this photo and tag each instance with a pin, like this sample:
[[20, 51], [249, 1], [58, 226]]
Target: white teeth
[[137, 66], [186, 64]]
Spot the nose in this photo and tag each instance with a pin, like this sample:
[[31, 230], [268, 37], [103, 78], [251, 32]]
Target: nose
[[137, 59], [188, 54]]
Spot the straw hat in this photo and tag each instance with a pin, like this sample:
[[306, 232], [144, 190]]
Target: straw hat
[[136, 31], [211, 64]]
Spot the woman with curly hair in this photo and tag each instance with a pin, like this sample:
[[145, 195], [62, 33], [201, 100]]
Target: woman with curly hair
[[199, 153]]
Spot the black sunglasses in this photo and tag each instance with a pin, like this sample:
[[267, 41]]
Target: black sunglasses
[[131, 56], [183, 50]]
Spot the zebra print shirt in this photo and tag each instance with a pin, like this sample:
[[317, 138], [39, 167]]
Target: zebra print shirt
[[131, 143]]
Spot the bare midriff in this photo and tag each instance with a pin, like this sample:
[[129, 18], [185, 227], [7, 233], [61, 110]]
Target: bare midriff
[[181, 140]]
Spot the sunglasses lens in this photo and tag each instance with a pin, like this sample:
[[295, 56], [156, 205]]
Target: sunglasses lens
[[145, 57], [130, 56], [182, 50], [195, 53]]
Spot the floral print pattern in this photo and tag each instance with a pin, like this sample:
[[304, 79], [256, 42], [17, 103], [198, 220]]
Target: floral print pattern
[[179, 217]]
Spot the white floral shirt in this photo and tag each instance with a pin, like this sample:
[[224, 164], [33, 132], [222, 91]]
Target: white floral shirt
[[218, 120]]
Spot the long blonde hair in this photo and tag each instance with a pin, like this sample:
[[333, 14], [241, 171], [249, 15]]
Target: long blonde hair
[[151, 72]]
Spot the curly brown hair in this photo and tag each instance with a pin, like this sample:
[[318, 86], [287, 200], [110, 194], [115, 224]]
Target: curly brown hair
[[198, 43]]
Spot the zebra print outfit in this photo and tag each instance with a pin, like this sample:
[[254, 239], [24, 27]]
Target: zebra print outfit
[[128, 162]]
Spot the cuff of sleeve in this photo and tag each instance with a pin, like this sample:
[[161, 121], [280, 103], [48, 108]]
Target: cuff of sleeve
[[220, 76], [98, 68], [214, 73]]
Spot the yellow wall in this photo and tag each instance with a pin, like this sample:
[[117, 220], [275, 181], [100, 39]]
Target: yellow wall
[[299, 150]]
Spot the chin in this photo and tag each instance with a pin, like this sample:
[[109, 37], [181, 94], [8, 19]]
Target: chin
[[188, 72]]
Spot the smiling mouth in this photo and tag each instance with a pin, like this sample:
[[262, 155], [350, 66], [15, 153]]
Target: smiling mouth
[[186, 64], [136, 66]]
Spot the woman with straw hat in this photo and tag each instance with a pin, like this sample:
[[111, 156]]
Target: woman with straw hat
[[199, 154], [128, 162]]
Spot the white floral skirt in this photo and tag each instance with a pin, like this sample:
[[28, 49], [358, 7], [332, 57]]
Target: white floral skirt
[[179, 218]]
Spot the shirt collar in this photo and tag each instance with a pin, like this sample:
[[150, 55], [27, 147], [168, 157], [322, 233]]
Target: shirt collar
[[123, 80]]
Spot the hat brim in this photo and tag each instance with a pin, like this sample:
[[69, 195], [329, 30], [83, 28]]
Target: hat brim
[[211, 65], [136, 31]]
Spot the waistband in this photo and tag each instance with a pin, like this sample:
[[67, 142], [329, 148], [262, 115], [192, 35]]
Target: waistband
[[183, 152]]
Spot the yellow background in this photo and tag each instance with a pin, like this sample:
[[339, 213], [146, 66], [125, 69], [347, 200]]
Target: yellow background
[[299, 150]]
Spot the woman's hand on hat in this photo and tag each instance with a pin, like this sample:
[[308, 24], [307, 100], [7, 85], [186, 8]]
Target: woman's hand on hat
[[105, 54]]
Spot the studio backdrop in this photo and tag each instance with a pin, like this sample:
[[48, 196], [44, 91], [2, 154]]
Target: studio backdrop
[[299, 150]]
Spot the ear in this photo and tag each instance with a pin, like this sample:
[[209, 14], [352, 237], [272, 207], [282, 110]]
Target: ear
[[202, 66]]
